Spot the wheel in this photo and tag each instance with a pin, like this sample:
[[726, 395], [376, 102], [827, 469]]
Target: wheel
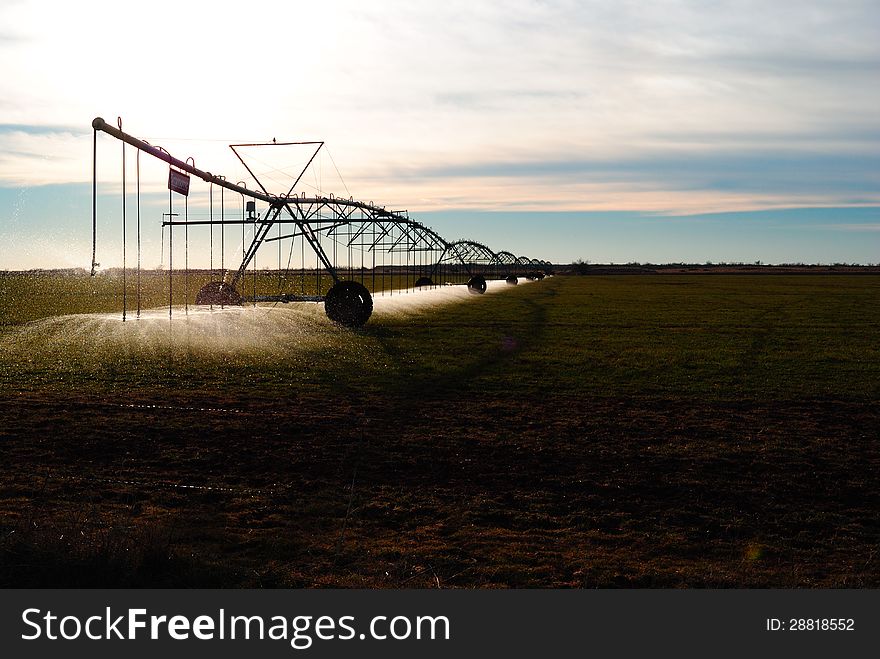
[[348, 303], [512, 280], [219, 293], [477, 284], [423, 281]]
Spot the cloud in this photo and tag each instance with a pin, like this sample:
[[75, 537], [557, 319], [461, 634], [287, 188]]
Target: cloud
[[42, 129], [735, 102], [741, 179], [39, 155], [9, 39], [867, 227]]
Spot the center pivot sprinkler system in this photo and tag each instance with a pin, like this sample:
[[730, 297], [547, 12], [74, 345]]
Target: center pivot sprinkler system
[[333, 250]]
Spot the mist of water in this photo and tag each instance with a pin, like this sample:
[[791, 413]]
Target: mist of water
[[265, 329], [418, 300]]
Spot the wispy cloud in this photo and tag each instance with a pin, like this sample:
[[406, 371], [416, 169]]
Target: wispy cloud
[[858, 228], [42, 129], [678, 182]]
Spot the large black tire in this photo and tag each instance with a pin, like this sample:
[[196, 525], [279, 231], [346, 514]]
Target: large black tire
[[218, 293], [423, 281], [512, 280], [348, 303], [477, 284]]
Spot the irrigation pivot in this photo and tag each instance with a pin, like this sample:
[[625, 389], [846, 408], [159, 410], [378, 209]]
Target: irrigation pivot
[[329, 249]]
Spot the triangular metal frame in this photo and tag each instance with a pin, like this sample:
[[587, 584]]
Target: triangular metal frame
[[260, 183]]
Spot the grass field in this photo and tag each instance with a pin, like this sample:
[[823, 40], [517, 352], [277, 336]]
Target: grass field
[[659, 431]]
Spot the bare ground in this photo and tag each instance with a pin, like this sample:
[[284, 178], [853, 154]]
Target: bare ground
[[448, 489]]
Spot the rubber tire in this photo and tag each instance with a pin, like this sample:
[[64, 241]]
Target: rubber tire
[[512, 280], [218, 293], [348, 303], [423, 281], [477, 285]]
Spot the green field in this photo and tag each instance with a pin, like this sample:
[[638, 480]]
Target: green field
[[680, 430]]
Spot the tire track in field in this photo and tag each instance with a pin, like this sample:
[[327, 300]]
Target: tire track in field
[[530, 328], [766, 326]]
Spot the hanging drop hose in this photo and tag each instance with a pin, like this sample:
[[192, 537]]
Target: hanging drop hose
[[222, 233], [186, 247], [124, 290], [138, 170], [186, 255], [170, 252], [211, 231], [94, 197]]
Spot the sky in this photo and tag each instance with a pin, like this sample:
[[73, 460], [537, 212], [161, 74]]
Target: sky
[[606, 131]]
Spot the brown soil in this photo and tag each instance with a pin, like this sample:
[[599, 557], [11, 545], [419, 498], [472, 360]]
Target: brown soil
[[447, 490]]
